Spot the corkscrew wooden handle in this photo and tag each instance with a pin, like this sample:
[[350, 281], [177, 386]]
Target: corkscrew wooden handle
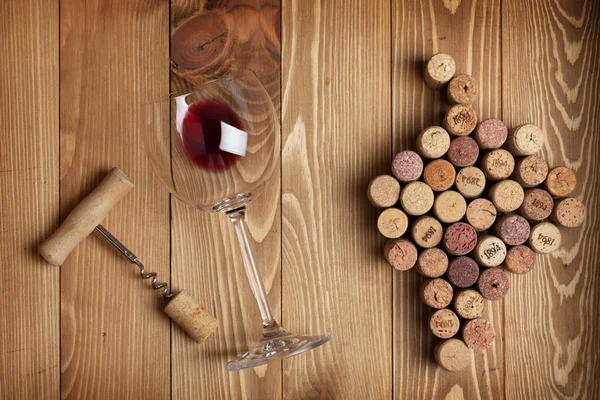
[[85, 217]]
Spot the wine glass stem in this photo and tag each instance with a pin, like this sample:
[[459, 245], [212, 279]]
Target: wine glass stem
[[238, 217]]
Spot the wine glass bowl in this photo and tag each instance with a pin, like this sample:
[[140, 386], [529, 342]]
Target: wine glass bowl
[[185, 143], [214, 147]]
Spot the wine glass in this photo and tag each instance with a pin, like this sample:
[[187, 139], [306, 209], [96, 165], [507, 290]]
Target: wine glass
[[214, 147]]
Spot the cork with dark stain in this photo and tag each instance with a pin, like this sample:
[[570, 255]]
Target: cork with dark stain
[[463, 272], [493, 284], [460, 239], [491, 133], [512, 229], [463, 151], [407, 166]]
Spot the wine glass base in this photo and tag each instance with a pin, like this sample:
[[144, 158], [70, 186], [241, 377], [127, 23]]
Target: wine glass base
[[277, 347]]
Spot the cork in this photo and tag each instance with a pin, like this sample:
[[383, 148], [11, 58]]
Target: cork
[[525, 140], [470, 182], [530, 171], [463, 151], [481, 214], [459, 239], [436, 293], [492, 283], [463, 272], [491, 133], [449, 207], [439, 175], [416, 198], [512, 229], [537, 205], [444, 323], [561, 181], [507, 195], [460, 120], [568, 212], [427, 232], [519, 260], [383, 191], [478, 334], [468, 304], [438, 70], [462, 89], [452, 355], [191, 316], [490, 251], [544, 238], [433, 142], [407, 166], [432, 263], [498, 164], [392, 223], [400, 253]]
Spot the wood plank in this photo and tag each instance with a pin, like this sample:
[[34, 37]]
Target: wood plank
[[29, 348], [336, 134], [550, 64], [206, 259], [470, 32], [114, 336]]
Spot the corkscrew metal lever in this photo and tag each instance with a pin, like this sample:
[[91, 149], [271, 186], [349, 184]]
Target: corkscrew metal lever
[[182, 308]]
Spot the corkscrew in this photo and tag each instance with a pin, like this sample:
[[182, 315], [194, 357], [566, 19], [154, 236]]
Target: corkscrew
[[182, 308]]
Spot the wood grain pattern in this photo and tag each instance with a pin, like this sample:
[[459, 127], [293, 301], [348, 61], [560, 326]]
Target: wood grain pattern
[[205, 254], [29, 312], [470, 32], [114, 335], [555, 354], [336, 124]]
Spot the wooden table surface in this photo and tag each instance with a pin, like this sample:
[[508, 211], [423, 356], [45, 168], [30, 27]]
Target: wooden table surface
[[347, 81]]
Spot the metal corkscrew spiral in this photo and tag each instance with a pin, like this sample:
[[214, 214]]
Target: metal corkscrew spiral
[[163, 286]]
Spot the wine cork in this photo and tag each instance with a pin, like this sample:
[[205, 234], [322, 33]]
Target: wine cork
[[463, 272], [490, 251], [561, 181], [392, 223], [537, 205], [416, 198], [512, 229], [444, 323], [519, 260], [491, 133], [470, 182], [194, 319], [436, 293], [432, 263], [568, 212], [498, 164], [481, 214], [478, 334], [468, 304], [449, 207], [427, 232], [407, 166], [439, 175], [383, 191], [439, 69], [462, 89], [492, 283], [507, 195], [531, 171], [525, 140], [452, 355], [400, 253], [433, 142], [460, 120], [459, 239], [463, 151], [544, 238]]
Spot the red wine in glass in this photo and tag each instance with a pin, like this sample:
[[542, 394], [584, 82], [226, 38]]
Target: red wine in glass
[[201, 134]]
